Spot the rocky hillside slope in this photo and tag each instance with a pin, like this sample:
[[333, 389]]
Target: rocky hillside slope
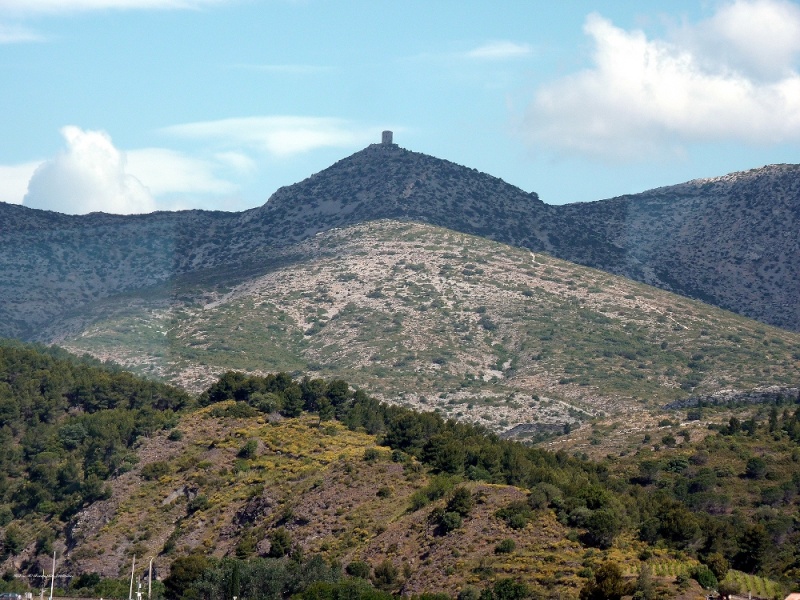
[[435, 319], [730, 241]]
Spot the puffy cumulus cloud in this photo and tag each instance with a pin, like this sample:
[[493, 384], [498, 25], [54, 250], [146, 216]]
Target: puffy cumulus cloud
[[92, 175], [500, 50], [646, 96], [279, 136], [758, 37], [14, 181], [89, 175], [28, 7]]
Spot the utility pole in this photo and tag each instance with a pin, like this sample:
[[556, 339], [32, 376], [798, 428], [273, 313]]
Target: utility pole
[[130, 591], [150, 579], [53, 578]]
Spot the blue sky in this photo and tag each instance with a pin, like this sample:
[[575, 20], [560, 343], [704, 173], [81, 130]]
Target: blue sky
[[140, 105]]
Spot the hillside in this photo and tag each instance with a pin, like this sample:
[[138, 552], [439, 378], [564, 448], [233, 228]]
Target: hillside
[[730, 241], [431, 318], [281, 479]]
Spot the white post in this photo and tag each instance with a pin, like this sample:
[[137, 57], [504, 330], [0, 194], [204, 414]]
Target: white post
[[150, 579], [130, 591], [53, 578]]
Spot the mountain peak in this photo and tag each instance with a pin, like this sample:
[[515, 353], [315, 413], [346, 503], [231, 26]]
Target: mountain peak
[[386, 181]]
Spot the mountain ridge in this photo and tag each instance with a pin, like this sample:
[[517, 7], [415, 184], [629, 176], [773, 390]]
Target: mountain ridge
[[713, 240]]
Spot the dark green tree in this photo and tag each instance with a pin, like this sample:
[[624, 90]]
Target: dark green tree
[[607, 584], [184, 572], [359, 568], [280, 543], [602, 526], [461, 502], [292, 402], [718, 564]]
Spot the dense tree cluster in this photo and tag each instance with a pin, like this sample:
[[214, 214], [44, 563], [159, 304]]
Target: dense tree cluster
[[196, 576], [735, 512], [66, 425]]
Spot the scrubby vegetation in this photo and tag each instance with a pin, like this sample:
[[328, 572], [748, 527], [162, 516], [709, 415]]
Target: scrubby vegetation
[[710, 512]]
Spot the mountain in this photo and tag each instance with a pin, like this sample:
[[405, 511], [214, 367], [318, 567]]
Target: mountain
[[428, 317], [730, 241]]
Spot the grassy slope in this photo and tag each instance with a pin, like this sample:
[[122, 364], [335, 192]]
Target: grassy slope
[[433, 318]]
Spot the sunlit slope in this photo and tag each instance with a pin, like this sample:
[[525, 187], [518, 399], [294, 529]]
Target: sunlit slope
[[429, 317], [336, 492]]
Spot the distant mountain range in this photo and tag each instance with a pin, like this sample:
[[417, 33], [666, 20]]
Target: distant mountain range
[[730, 241]]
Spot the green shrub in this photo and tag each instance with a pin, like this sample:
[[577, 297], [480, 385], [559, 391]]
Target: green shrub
[[461, 502], [506, 546], [385, 575], [444, 521], [280, 543], [705, 577], [155, 470], [508, 589], [358, 568], [450, 521], [249, 450], [516, 515], [198, 503], [238, 410]]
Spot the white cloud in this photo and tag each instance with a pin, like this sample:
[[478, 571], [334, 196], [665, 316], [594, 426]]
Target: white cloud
[[237, 161], [642, 95], [14, 181], [165, 171], [758, 37], [89, 175], [28, 7], [280, 136], [15, 34], [500, 50]]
